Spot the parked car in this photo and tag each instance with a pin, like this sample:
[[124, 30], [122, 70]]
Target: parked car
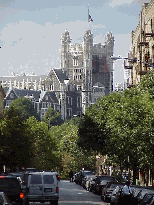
[[91, 184], [42, 187], [116, 193], [86, 178], [108, 189], [101, 182], [11, 187], [4, 200], [76, 177], [19, 175], [142, 193], [88, 182], [83, 174], [147, 199]]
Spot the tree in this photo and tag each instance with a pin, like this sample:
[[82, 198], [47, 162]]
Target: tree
[[16, 143], [52, 117], [147, 83], [72, 156], [44, 145], [93, 131], [128, 123], [22, 107]]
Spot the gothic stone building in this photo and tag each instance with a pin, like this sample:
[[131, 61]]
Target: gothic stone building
[[88, 66], [86, 74]]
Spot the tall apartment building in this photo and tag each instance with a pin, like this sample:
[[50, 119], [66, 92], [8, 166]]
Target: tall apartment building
[[141, 57]]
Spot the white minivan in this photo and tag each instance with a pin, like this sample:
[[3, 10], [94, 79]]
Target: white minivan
[[42, 187]]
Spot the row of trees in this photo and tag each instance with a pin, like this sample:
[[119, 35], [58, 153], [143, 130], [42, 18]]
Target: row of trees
[[121, 125], [50, 144]]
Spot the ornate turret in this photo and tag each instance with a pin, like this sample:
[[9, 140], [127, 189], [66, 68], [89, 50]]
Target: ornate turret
[[65, 41], [87, 71]]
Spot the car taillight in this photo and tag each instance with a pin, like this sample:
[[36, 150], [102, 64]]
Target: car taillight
[[21, 195], [57, 189], [2, 177]]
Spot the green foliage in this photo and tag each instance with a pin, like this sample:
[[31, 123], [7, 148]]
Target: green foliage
[[22, 107], [72, 156], [147, 83], [44, 145], [52, 117], [15, 142]]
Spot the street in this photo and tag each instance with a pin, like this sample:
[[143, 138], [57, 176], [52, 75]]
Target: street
[[71, 193]]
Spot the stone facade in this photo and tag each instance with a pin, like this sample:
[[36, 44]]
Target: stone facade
[[88, 65], [86, 74], [141, 58]]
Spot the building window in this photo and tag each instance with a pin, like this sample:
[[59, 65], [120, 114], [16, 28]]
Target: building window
[[151, 26], [69, 112], [75, 61], [11, 95], [44, 105], [51, 87], [79, 77], [69, 100], [79, 87], [78, 101], [8, 102]]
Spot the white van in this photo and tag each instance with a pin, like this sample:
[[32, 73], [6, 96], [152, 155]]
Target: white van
[[42, 187]]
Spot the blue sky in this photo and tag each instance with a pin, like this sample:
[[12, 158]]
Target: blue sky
[[30, 30]]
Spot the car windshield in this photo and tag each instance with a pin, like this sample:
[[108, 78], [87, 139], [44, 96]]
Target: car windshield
[[106, 178], [48, 179], [88, 173], [36, 179]]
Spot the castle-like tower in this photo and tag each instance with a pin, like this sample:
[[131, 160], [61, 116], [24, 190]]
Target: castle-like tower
[[88, 65]]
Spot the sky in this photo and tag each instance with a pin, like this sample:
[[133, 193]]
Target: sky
[[30, 31]]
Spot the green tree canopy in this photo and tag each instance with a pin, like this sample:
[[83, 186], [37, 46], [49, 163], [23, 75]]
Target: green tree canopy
[[22, 107], [44, 145], [16, 147], [52, 117]]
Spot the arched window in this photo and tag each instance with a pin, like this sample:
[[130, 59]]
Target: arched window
[[75, 61]]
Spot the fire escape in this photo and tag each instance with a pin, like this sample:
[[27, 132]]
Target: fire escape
[[144, 62]]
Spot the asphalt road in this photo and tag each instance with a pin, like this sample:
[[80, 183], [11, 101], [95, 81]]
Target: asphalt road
[[72, 194]]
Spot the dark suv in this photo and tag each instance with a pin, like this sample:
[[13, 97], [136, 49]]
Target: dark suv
[[11, 187]]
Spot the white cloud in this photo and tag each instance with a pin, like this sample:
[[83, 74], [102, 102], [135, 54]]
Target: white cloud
[[132, 2], [32, 45], [119, 2]]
